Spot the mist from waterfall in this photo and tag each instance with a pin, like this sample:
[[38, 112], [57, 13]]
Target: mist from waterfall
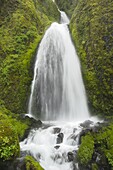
[[57, 91]]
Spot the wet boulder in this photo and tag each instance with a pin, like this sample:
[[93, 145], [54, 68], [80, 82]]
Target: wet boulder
[[32, 124], [57, 146], [60, 137], [57, 130], [83, 133], [72, 156], [26, 163], [86, 124]]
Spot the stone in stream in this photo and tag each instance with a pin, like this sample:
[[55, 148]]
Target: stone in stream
[[72, 156], [57, 146], [86, 124], [74, 130], [56, 130], [60, 137]]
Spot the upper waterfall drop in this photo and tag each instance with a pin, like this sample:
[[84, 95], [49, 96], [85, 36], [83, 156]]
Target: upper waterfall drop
[[64, 18], [57, 88]]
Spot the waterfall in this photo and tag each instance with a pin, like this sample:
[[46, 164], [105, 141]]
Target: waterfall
[[64, 18], [57, 91]]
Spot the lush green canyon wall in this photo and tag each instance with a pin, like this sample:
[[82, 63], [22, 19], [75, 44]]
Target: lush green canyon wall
[[92, 32], [23, 23]]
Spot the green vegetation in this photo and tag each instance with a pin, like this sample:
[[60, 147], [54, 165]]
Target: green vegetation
[[104, 141], [9, 143], [23, 23], [94, 166], [92, 32], [18, 125], [86, 149], [100, 144], [31, 164]]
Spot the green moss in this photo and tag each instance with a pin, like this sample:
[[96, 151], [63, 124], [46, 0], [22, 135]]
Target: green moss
[[97, 143], [94, 166], [86, 150], [23, 24], [104, 141], [92, 29], [31, 164], [9, 143], [18, 125]]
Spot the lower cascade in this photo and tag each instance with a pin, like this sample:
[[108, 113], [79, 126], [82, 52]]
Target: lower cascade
[[55, 144], [58, 94]]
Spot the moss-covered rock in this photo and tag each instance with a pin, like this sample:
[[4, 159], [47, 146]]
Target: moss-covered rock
[[92, 32], [96, 149], [86, 150], [31, 164], [104, 145], [23, 23]]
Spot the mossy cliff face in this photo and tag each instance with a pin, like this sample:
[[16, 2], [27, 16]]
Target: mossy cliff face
[[92, 32], [23, 23]]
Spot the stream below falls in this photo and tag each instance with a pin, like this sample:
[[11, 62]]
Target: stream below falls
[[54, 145]]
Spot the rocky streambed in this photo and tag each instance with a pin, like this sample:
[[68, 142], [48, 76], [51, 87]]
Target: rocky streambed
[[67, 145]]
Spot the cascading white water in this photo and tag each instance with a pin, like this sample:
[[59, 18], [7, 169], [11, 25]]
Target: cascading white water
[[64, 18], [57, 88], [55, 145], [52, 154]]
